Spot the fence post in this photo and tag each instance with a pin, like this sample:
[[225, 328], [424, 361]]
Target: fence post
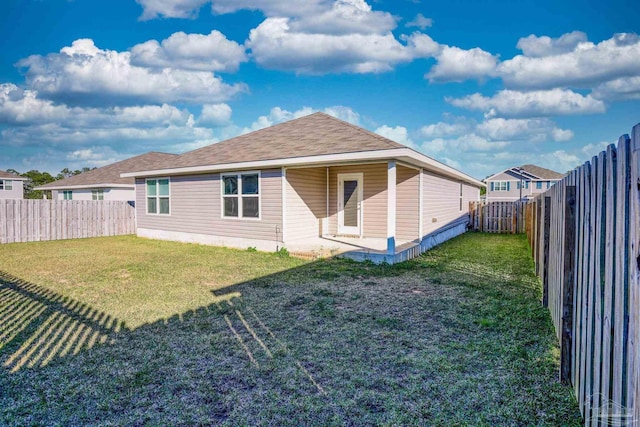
[[568, 283], [545, 251]]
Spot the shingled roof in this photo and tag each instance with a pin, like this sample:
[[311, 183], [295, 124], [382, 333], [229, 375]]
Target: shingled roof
[[108, 175], [313, 135], [7, 175], [542, 173]]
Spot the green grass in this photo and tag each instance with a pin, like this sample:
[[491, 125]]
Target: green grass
[[216, 336]]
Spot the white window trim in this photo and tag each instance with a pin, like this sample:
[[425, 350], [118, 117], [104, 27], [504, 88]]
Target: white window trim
[[98, 193], [498, 190], [461, 198], [5, 183], [239, 195], [157, 196]]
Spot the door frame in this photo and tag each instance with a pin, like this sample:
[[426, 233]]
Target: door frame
[[342, 229]]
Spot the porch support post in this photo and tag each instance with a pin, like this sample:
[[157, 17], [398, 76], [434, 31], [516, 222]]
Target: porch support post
[[391, 207]]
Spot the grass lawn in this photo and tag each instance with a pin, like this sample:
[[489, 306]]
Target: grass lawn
[[127, 331]]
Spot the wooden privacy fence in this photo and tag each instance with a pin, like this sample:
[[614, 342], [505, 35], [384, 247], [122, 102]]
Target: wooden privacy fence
[[585, 236], [498, 217], [39, 220]]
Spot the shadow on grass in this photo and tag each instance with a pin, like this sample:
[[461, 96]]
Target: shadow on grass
[[328, 343], [38, 325]]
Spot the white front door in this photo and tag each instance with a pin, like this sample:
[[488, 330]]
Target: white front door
[[350, 204]]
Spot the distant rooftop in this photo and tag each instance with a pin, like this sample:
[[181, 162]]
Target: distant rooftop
[[110, 174]]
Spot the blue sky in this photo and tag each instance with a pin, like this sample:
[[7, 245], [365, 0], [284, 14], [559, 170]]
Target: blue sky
[[479, 85]]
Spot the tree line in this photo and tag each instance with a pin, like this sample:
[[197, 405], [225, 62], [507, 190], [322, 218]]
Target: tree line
[[35, 178]]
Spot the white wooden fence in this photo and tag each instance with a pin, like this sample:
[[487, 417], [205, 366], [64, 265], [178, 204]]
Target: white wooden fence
[[39, 220], [585, 235]]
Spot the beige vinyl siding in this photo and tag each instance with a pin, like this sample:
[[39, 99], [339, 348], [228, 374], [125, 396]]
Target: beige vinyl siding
[[196, 208], [17, 191], [306, 202], [441, 199], [469, 194], [374, 197], [407, 203]]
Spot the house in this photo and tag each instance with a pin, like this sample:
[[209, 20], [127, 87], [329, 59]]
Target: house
[[104, 183], [11, 186], [521, 182], [315, 185]]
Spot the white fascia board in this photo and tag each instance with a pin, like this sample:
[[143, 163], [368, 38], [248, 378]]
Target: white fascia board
[[275, 163], [14, 178], [406, 154], [433, 165], [87, 186]]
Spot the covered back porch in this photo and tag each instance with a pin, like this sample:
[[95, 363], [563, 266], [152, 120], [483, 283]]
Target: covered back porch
[[363, 211]]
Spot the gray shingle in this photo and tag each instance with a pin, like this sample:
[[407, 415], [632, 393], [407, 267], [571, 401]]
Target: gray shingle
[[312, 135], [110, 174]]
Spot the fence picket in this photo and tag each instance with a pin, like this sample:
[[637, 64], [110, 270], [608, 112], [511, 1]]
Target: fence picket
[[40, 220], [604, 363]]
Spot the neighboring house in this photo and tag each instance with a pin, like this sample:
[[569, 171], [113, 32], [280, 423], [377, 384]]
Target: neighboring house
[[11, 186], [522, 182], [315, 185], [104, 183]]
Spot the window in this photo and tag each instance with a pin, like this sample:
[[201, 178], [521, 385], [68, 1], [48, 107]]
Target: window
[[241, 195], [6, 184], [97, 194], [67, 195], [158, 195], [539, 185], [500, 186], [460, 197], [548, 184]]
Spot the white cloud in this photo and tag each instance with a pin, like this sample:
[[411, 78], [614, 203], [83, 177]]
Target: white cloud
[[522, 129], [345, 17], [398, 134], [278, 115], [442, 129], [420, 21], [537, 47], [190, 8], [510, 103], [210, 52], [170, 8], [586, 65], [561, 135], [274, 44], [83, 73], [271, 7], [471, 142], [626, 88], [24, 107], [215, 114], [456, 65], [421, 45], [344, 113]]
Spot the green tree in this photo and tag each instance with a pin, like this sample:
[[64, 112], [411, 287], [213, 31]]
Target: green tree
[[35, 179]]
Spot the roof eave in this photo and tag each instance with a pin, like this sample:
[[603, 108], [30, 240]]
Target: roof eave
[[403, 153], [86, 186]]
